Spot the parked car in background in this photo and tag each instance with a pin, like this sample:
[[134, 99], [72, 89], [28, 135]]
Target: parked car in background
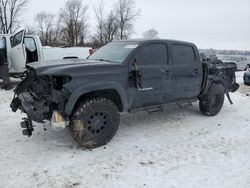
[[21, 49], [246, 77], [240, 61]]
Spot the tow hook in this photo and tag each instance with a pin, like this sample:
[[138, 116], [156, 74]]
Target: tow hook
[[27, 125]]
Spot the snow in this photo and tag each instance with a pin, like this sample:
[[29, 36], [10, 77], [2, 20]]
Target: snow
[[176, 148]]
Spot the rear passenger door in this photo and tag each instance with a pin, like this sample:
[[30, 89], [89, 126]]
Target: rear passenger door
[[186, 71], [152, 62]]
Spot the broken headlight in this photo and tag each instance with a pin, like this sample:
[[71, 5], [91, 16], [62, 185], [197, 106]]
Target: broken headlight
[[60, 81]]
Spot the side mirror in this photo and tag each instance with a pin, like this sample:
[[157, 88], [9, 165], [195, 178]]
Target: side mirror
[[137, 77]]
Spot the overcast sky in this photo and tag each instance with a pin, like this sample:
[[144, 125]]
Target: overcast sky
[[220, 24]]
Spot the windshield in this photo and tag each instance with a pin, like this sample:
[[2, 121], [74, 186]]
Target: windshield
[[115, 52]]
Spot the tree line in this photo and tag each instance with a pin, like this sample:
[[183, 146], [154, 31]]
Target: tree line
[[225, 52], [71, 27]]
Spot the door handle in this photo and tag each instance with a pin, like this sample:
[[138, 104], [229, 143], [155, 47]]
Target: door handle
[[166, 73], [196, 71]]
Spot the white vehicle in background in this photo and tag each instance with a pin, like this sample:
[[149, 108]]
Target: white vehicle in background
[[240, 61], [21, 49]]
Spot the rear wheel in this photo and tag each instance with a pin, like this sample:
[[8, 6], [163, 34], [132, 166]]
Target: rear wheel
[[211, 103], [94, 122]]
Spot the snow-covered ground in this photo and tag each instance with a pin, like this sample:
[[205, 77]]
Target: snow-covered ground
[[175, 148]]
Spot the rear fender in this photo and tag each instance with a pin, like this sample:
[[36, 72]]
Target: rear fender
[[208, 85]]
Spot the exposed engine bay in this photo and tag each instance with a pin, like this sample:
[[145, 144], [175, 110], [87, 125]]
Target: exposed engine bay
[[39, 96]]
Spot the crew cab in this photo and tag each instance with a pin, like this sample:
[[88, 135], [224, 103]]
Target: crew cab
[[124, 76], [21, 49]]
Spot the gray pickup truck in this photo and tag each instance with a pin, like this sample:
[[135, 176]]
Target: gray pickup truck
[[123, 76]]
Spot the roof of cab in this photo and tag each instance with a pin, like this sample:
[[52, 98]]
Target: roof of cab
[[141, 41]]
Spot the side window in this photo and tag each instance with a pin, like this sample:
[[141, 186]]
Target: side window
[[17, 39], [182, 54], [3, 50], [153, 54], [30, 44], [2, 42]]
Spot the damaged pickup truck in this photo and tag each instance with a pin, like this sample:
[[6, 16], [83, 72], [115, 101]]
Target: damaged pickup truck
[[123, 76]]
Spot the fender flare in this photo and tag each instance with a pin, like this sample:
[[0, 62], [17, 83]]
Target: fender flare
[[80, 91], [208, 85]]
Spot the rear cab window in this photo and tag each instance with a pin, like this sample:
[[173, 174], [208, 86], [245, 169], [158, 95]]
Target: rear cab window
[[183, 54]]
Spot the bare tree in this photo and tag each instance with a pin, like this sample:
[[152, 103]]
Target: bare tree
[[55, 35], [74, 20], [100, 18], [30, 30], [110, 27], [150, 34], [45, 23], [10, 12], [107, 26], [127, 14]]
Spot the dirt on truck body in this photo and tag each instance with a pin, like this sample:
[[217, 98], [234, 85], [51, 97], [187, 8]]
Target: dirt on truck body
[[124, 76]]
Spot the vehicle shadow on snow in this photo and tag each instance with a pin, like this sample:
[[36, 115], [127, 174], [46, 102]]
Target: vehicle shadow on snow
[[244, 89], [173, 114], [170, 114]]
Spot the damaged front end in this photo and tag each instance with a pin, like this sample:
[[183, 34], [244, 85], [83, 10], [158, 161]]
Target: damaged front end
[[40, 97]]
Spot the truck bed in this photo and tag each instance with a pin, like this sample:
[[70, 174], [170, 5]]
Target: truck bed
[[222, 72]]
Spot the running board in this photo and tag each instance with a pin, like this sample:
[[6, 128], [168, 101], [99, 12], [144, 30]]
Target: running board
[[161, 107]]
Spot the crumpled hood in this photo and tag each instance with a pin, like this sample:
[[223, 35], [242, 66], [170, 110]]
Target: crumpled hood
[[63, 66]]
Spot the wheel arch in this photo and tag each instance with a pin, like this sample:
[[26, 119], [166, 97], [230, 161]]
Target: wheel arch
[[209, 85], [115, 94]]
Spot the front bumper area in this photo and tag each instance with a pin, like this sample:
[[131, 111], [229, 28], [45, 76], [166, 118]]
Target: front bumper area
[[35, 110], [38, 97]]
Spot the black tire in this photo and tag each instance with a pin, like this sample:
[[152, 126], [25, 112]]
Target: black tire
[[212, 102], [94, 122]]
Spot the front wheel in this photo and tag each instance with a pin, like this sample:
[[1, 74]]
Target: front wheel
[[94, 122], [212, 102]]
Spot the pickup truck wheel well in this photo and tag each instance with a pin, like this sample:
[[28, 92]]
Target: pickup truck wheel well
[[108, 94], [212, 102], [209, 85]]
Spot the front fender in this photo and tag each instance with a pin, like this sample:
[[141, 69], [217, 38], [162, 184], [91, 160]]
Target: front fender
[[88, 88]]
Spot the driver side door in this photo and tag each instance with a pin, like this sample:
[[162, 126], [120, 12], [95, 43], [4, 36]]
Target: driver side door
[[151, 60], [17, 53]]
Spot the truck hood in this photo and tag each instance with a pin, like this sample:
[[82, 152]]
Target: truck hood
[[66, 66]]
